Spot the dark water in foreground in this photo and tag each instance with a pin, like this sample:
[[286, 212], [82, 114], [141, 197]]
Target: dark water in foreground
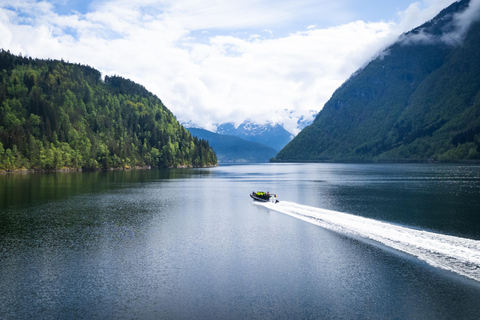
[[189, 244]]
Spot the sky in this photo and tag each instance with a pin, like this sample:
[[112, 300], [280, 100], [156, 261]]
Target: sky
[[216, 61]]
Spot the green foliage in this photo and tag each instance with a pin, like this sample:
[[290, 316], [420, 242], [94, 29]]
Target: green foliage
[[418, 101], [58, 115]]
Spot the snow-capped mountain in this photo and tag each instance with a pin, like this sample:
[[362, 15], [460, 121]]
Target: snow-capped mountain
[[274, 136], [295, 122], [232, 149], [305, 121], [190, 124]]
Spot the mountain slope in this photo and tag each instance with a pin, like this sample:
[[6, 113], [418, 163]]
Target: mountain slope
[[418, 100], [273, 136], [59, 115], [232, 149]]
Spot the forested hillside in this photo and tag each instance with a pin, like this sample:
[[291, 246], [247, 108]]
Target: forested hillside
[[57, 115], [419, 100]]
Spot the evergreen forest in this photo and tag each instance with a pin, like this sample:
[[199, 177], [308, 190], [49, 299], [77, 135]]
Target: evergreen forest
[[58, 115]]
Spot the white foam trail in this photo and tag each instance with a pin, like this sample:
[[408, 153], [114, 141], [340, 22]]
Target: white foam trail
[[456, 254]]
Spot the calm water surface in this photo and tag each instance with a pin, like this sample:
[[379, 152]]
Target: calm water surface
[[189, 244]]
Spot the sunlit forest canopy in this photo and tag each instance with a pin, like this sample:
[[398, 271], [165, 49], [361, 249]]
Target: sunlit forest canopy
[[55, 114]]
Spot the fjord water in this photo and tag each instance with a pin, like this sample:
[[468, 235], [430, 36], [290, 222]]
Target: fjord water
[[190, 244]]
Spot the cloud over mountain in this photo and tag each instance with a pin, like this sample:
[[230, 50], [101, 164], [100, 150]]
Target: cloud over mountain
[[208, 61], [452, 33]]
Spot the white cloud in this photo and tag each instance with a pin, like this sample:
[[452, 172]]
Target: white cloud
[[175, 49], [253, 79], [462, 22], [419, 12], [459, 25]]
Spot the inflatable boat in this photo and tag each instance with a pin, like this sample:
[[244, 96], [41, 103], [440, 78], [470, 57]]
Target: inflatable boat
[[263, 196]]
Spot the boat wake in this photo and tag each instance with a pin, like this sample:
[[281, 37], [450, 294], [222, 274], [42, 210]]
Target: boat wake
[[459, 255]]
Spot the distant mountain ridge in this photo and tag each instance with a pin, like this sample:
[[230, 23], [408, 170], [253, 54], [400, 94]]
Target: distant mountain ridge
[[233, 149], [418, 100], [270, 134], [274, 136]]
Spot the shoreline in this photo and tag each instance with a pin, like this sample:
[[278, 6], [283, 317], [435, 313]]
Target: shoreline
[[399, 161], [72, 170]]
